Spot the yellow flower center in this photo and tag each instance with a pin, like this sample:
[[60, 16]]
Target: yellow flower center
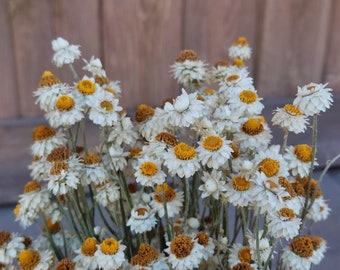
[[292, 110], [109, 246], [269, 167], [271, 184], [149, 168], [135, 152], [144, 112], [16, 210], [59, 154], [181, 246], [302, 246], [107, 105], [53, 227], [209, 91], [89, 247], [238, 62], [244, 255], [32, 186], [146, 254], [184, 151], [187, 55], [303, 152], [58, 167], [65, 103], [141, 211], [48, 79], [65, 264], [252, 127], [5, 237], [241, 41], [248, 96], [169, 193], [287, 213], [92, 158], [110, 90], [316, 240], [28, 259], [202, 238], [42, 133], [240, 183], [167, 138], [101, 80], [212, 143], [310, 87], [86, 87], [232, 78]]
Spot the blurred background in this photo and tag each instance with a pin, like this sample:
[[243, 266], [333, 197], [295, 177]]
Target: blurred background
[[294, 42]]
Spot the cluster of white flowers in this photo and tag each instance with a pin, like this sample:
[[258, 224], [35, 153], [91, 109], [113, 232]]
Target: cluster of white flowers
[[160, 191]]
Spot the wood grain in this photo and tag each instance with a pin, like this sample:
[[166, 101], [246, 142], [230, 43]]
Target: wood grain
[[9, 106], [293, 45], [141, 41]]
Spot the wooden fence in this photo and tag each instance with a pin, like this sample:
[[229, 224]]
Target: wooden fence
[[294, 42]]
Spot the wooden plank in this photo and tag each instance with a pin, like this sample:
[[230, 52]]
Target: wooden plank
[[210, 29], [293, 45], [141, 41], [78, 22], [32, 35], [9, 96], [332, 66]]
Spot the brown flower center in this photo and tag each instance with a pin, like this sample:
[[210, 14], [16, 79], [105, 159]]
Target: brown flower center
[[181, 246], [269, 167], [303, 152], [167, 138], [169, 193], [302, 246], [252, 126], [244, 255], [187, 55], [144, 112], [42, 133], [32, 186], [48, 79], [240, 183], [146, 254]]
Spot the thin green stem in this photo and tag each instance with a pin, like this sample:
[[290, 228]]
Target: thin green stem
[[284, 141]]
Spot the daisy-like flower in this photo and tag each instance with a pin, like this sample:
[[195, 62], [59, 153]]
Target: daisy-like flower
[[313, 98], [225, 121], [45, 139], [87, 88], [107, 85], [213, 151], [123, 132], [283, 223], [104, 109], [148, 258], [185, 110], [240, 49], [184, 252], [253, 134], [107, 193], [65, 264], [65, 171], [188, 69], [239, 191], [149, 172], [142, 219], [33, 202], [163, 196], [110, 254], [182, 160], [29, 259], [263, 248], [290, 118], [207, 242], [94, 66], [94, 170], [68, 110], [116, 159], [299, 158], [213, 184], [50, 88], [298, 254], [10, 246], [240, 254], [147, 121], [64, 53], [39, 168], [220, 70], [247, 102], [85, 258], [319, 248], [319, 210]]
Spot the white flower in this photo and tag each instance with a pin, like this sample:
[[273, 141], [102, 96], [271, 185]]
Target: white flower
[[240, 49], [94, 66], [185, 110], [123, 132], [263, 247], [184, 252], [299, 158], [107, 193], [116, 158], [207, 242], [182, 160], [247, 102], [240, 254], [319, 210], [291, 118], [94, 170], [110, 254], [36, 260], [213, 184], [313, 98], [142, 219], [10, 246], [240, 191], [85, 258], [225, 121], [213, 151], [319, 248], [148, 172], [64, 53]]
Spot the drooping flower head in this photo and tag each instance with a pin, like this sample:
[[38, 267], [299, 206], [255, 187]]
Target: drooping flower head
[[64, 53]]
